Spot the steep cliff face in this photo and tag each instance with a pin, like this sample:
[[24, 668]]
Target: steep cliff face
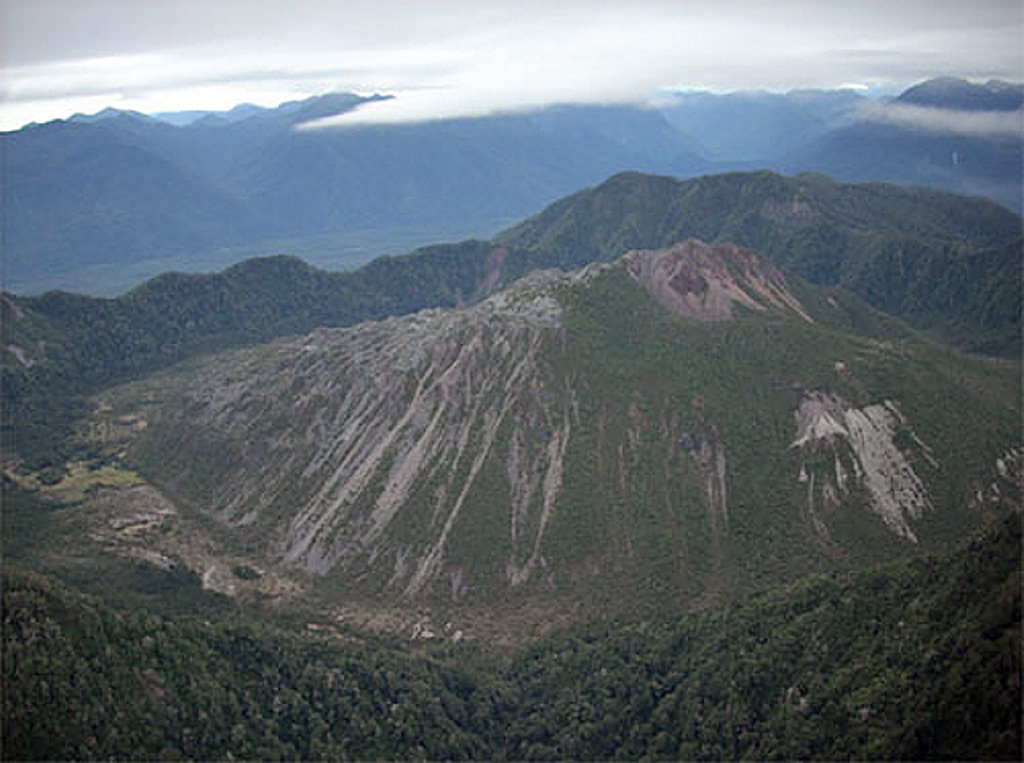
[[567, 435]]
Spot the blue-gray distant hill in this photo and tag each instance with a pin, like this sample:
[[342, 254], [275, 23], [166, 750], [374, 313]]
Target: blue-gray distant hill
[[942, 133], [100, 203], [120, 187], [755, 128]]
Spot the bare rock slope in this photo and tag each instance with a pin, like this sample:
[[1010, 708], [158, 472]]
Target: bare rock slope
[[570, 435], [697, 280]]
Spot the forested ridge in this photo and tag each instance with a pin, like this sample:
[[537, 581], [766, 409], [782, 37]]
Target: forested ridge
[[73, 345], [915, 660], [943, 262]]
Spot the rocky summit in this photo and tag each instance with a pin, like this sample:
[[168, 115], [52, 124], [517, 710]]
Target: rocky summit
[[695, 280]]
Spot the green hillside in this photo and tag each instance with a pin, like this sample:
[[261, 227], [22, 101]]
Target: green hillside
[[61, 347], [919, 660], [676, 432], [947, 263], [682, 386]]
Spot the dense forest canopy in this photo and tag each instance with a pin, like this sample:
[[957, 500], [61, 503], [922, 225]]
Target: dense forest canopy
[[916, 660]]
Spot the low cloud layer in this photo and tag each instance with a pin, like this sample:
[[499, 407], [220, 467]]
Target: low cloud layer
[[978, 124], [450, 58]]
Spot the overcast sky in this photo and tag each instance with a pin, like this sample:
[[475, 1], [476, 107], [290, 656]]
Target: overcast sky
[[455, 58]]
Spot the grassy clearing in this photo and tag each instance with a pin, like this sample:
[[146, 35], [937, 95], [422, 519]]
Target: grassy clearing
[[81, 479]]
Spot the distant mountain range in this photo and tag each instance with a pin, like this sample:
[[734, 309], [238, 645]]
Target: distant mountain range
[[755, 127], [122, 187], [117, 189], [944, 133], [961, 95]]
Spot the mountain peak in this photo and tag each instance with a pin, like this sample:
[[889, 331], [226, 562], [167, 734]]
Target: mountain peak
[[330, 104], [706, 281], [960, 94], [110, 113]]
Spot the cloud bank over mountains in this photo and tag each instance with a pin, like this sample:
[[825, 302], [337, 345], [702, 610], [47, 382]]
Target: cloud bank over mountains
[[452, 58], [975, 124]]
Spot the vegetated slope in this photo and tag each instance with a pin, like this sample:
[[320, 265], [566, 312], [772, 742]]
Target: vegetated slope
[[59, 347], [917, 660], [676, 428], [940, 261], [82, 682]]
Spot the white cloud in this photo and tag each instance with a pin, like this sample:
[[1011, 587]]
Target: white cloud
[[988, 124], [448, 58]]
